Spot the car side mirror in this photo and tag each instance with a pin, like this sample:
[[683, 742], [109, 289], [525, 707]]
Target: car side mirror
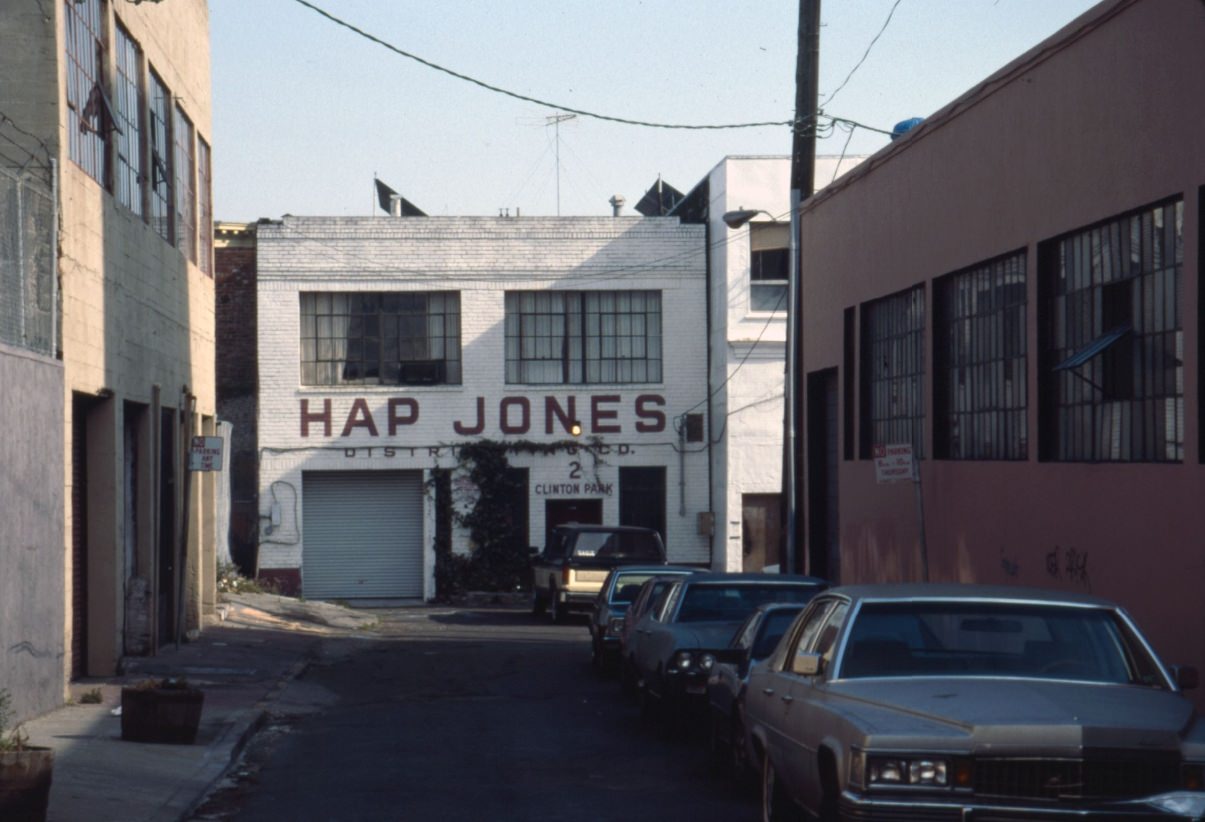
[[806, 663], [1187, 677]]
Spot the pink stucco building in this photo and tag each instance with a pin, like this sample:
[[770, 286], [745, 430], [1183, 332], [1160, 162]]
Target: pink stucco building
[[1013, 289]]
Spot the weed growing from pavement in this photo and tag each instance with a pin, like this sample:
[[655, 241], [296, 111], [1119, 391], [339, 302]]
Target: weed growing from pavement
[[91, 697]]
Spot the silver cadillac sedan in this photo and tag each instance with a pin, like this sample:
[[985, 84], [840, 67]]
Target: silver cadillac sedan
[[965, 702]]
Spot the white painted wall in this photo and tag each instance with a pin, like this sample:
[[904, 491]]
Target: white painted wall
[[482, 258]]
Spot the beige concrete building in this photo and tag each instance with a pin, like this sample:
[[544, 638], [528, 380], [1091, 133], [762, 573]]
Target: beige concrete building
[[109, 105]]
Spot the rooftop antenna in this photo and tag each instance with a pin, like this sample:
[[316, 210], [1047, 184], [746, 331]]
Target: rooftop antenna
[[555, 120]]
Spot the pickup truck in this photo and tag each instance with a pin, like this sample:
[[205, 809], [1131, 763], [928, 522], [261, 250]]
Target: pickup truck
[[569, 572]]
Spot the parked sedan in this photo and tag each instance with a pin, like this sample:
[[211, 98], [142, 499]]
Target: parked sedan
[[954, 702], [619, 589], [674, 646], [651, 596], [754, 640]]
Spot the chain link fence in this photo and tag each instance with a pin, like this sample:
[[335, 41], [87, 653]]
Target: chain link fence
[[28, 243]]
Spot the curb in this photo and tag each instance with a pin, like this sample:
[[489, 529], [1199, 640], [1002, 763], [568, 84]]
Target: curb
[[257, 718]]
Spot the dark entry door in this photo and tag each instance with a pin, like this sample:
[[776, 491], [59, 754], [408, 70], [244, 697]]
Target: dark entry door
[[761, 530], [642, 498], [559, 511], [823, 514], [79, 536]]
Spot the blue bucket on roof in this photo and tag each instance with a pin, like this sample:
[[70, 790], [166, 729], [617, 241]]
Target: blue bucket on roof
[[904, 126]]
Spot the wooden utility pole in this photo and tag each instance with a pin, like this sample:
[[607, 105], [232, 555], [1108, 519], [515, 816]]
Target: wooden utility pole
[[803, 173]]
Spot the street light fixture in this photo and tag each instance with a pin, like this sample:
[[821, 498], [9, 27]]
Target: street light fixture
[[736, 219]]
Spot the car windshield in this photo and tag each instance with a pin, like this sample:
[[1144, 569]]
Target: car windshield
[[772, 629], [994, 639], [627, 586], [616, 544], [723, 602]]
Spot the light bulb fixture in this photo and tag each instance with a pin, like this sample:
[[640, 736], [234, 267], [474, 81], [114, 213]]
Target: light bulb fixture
[[575, 429]]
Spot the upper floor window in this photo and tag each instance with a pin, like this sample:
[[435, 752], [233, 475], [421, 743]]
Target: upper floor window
[[1113, 346], [375, 338], [205, 206], [769, 266], [90, 117], [186, 216], [161, 195], [979, 362], [129, 103], [555, 337], [893, 371]]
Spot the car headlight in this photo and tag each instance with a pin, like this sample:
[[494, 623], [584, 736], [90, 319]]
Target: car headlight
[[706, 662], [682, 660], [615, 626], [914, 771]]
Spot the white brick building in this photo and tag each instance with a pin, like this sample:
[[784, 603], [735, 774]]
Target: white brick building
[[385, 342], [747, 285]]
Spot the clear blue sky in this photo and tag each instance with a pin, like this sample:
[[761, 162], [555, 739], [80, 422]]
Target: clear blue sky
[[306, 111]]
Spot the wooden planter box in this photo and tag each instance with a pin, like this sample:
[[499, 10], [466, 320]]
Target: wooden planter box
[[169, 715], [25, 784]]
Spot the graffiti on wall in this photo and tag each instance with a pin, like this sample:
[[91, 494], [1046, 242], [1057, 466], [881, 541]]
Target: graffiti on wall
[[1068, 565]]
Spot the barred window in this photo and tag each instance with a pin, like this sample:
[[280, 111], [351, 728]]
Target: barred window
[[205, 206], [375, 338], [769, 266], [893, 370], [1113, 345], [560, 337], [162, 218], [129, 103], [979, 362], [186, 215], [90, 118]]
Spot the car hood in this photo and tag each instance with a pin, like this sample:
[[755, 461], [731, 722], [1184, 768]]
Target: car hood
[[999, 715], [703, 635]]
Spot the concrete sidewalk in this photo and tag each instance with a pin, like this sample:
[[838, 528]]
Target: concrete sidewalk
[[242, 663]]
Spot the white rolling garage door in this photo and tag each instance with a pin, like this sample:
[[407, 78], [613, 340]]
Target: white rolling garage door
[[362, 535]]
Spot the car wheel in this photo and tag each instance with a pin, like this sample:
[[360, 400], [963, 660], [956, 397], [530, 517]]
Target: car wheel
[[828, 790], [559, 610], [775, 806], [627, 679], [739, 751], [538, 604], [596, 657]]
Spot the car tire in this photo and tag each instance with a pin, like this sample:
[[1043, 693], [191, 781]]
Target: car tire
[[559, 611], [775, 806], [538, 604], [738, 752], [628, 684], [829, 791]]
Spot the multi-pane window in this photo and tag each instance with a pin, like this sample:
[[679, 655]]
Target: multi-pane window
[[186, 215], [557, 337], [375, 338], [893, 371], [90, 119], [128, 106], [161, 195], [205, 206], [769, 266], [979, 370], [1113, 346]]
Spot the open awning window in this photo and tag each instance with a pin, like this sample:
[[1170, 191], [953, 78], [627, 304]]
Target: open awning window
[[1095, 348]]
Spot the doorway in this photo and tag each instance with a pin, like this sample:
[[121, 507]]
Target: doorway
[[560, 511], [642, 498], [824, 554]]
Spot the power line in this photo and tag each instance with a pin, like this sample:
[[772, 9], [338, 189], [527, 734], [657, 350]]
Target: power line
[[865, 54], [524, 97]]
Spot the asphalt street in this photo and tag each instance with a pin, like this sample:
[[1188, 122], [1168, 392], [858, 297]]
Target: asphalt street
[[468, 714]]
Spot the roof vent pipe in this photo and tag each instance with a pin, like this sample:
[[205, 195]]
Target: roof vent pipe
[[617, 204], [395, 205]]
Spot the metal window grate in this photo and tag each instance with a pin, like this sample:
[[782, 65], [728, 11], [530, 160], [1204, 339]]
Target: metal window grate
[[129, 103], [186, 215], [893, 371], [980, 355], [28, 245], [161, 174], [89, 116], [1122, 402]]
